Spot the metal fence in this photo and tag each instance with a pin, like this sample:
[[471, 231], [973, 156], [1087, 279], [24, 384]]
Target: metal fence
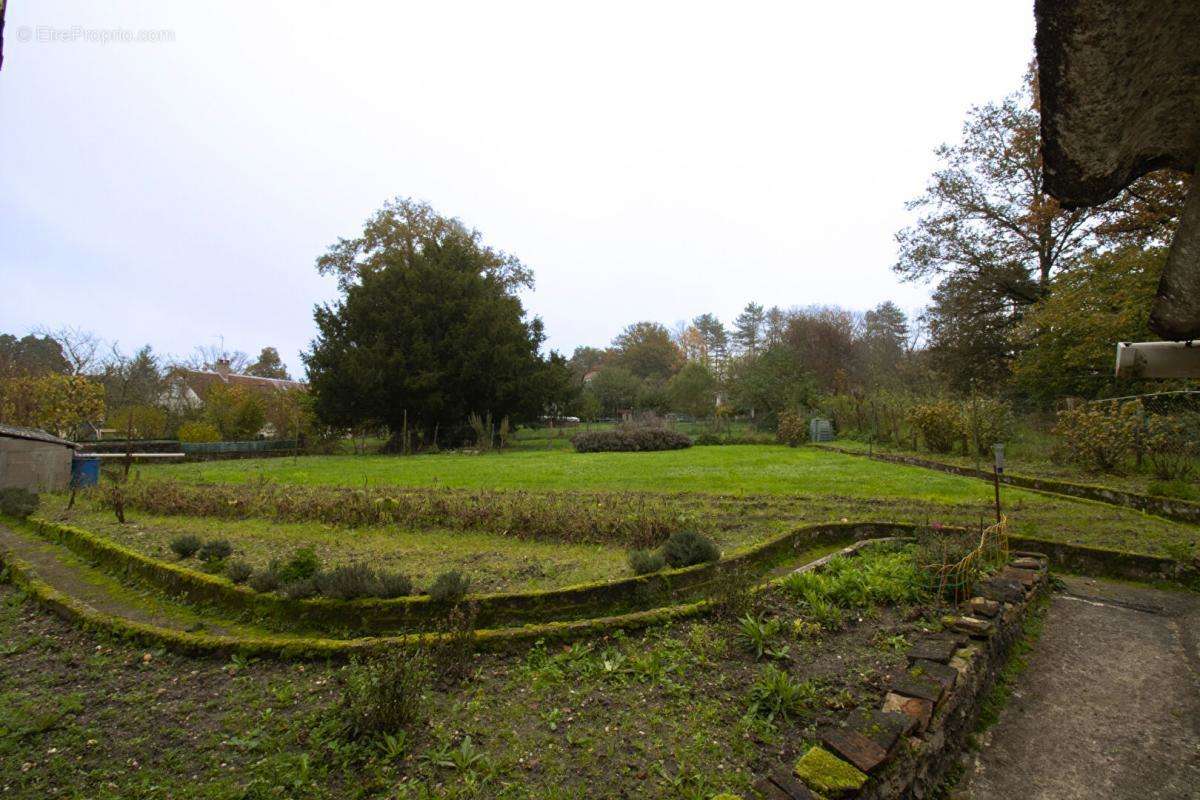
[[254, 447]]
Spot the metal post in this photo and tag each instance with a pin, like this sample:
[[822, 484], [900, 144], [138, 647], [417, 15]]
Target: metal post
[[997, 471]]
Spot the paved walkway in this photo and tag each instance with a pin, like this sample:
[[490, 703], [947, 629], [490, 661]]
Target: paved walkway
[[1109, 706]]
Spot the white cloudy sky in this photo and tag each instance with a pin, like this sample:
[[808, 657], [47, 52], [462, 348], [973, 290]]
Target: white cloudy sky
[[648, 160]]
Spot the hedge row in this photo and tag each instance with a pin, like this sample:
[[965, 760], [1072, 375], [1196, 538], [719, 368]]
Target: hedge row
[[624, 519], [629, 441]]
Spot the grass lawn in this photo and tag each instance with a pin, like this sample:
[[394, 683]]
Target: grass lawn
[[742, 493], [1036, 463], [732, 469]]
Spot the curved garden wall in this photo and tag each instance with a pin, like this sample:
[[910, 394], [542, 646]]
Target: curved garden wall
[[370, 616]]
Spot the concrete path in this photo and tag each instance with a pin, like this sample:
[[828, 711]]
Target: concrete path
[[1109, 706]]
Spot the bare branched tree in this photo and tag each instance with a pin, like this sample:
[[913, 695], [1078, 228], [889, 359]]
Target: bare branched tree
[[81, 348]]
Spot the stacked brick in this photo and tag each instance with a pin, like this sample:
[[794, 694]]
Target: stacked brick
[[905, 747]]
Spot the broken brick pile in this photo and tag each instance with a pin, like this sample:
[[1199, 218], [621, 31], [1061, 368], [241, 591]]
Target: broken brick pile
[[904, 748]]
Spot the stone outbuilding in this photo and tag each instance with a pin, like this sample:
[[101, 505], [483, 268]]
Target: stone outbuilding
[[33, 459]]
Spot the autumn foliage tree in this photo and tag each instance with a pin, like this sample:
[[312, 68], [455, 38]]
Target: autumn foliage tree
[[54, 402], [1071, 335]]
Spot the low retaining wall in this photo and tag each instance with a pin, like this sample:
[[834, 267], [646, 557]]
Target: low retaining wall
[[905, 748], [1103, 563], [360, 617], [315, 647], [1170, 508]]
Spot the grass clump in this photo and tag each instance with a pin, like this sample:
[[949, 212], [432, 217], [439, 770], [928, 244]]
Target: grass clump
[[19, 503], [449, 588], [645, 562], [685, 548], [185, 546], [385, 694], [777, 694], [238, 571], [755, 634]]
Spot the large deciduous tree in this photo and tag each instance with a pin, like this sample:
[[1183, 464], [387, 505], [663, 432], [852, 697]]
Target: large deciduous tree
[[647, 350], [429, 329], [994, 241]]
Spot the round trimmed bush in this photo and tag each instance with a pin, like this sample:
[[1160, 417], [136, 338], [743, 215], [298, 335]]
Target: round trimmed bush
[[644, 562], [449, 587], [686, 548], [215, 550], [238, 571], [185, 546]]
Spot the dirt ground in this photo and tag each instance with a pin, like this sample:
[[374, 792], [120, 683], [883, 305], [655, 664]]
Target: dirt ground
[[1109, 706]]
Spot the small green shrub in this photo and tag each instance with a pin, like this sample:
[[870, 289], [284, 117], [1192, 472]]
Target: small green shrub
[[357, 580], [301, 589], [384, 694], [348, 582], [303, 564], [644, 562], [238, 571], [685, 548], [628, 441], [19, 503], [1172, 444], [939, 423], [198, 433], [266, 580], [777, 694], [394, 584], [185, 546], [792, 429], [215, 550], [449, 588], [450, 655], [1098, 436], [985, 421]]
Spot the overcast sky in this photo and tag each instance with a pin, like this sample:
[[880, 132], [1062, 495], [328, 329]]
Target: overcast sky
[[648, 160]]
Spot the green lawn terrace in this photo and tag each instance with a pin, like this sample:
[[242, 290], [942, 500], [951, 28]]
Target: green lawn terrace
[[740, 494]]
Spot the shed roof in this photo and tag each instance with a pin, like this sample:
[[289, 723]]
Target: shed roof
[[35, 434]]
